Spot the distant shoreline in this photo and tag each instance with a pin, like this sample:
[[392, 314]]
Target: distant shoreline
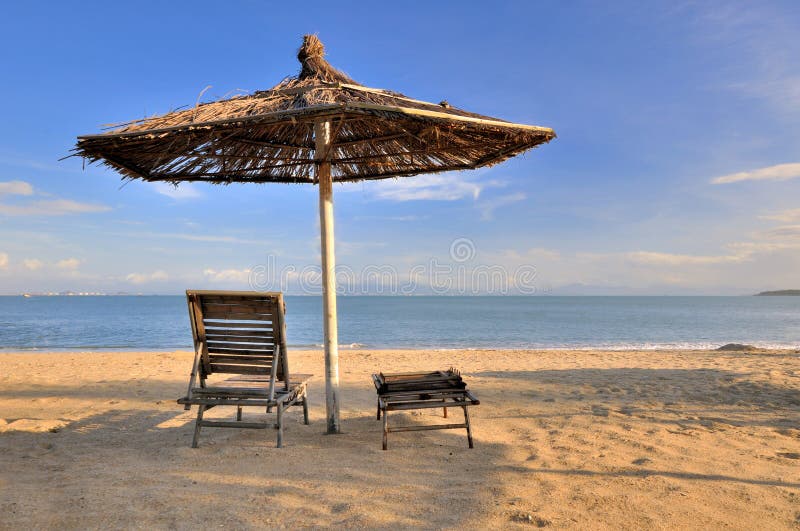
[[780, 293]]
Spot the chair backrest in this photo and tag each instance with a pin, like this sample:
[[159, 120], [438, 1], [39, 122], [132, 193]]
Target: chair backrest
[[239, 332]]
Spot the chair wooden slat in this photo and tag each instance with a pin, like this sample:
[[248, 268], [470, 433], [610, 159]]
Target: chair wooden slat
[[225, 325], [254, 342], [228, 350]]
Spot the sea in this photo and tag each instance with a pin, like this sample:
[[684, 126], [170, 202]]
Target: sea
[[157, 323]]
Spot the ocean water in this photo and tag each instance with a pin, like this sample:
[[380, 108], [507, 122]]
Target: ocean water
[[161, 322]]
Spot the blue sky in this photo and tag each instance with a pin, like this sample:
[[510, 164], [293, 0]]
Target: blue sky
[[676, 170]]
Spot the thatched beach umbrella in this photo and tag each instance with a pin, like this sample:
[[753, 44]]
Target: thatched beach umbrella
[[317, 128]]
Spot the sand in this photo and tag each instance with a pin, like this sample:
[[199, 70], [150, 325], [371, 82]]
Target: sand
[[563, 439]]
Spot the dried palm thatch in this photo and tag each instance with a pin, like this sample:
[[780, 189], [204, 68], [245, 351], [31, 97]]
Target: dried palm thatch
[[268, 136]]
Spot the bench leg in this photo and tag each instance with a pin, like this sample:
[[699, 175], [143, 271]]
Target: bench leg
[[280, 425], [200, 410], [385, 430], [305, 410], [469, 429], [238, 412], [445, 412]]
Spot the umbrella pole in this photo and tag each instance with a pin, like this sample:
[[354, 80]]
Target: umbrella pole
[[322, 141]]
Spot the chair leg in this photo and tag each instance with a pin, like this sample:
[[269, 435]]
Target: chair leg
[[200, 410], [469, 428], [280, 425], [305, 410], [238, 412], [385, 430], [445, 412], [379, 411]]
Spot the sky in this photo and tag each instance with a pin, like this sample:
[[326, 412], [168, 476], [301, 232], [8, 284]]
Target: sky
[[676, 169]]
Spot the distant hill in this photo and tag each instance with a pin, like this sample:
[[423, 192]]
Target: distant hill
[[795, 292]]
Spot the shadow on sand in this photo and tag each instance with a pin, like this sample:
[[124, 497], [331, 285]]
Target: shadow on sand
[[684, 396]]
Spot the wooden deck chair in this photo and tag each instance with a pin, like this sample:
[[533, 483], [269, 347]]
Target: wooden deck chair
[[241, 333]]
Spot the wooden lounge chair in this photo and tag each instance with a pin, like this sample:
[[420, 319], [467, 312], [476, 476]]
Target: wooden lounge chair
[[241, 333], [423, 390]]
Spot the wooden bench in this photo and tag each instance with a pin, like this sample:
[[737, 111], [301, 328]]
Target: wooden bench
[[423, 390]]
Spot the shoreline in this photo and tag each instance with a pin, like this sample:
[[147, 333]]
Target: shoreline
[[758, 349]]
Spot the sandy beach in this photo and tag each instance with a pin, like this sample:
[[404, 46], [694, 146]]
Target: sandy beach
[[564, 439]]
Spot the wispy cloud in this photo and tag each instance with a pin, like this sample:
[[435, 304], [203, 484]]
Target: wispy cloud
[[42, 207], [197, 237], [32, 264], [531, 256], [785, 216], [488, 206], [764, 41], [68, 264], [442, 187], [53, 207], [779, 172], [144, 278], [15, 188], [180, 192], [353, 247], [227, 275], [669, 259], [783, 232], [754, 248], [390, 218]]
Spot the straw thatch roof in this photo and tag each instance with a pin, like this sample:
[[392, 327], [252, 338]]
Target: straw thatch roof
[[268, 136]]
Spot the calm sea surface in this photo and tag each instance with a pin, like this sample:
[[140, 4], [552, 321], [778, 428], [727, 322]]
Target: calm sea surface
[[161, 322]]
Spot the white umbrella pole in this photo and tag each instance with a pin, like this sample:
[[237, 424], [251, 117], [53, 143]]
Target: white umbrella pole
[[322, 140]]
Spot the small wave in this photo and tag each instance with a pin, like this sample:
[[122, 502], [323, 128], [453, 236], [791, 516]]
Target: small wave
[[351, 346]]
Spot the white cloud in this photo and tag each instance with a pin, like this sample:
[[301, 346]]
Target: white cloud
[[182, 191], [52, 207], [16, 188], [488, 206], [227, 275], [441, 187], [32, 264], [68, 264], [3, 260], [143, 278], [779, 172]]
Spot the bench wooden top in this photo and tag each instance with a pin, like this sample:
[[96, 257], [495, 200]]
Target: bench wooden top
[[422, 387]]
